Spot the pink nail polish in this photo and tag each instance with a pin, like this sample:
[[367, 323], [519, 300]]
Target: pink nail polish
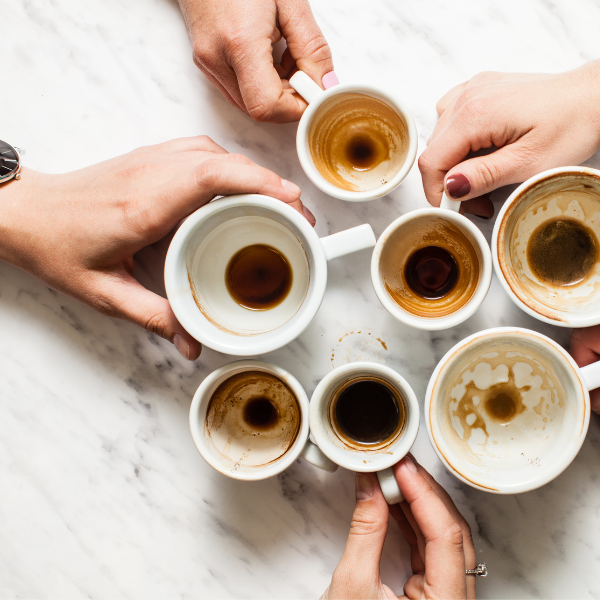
[[329, 80]]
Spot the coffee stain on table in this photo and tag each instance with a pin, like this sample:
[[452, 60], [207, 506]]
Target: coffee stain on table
[[359, 345]]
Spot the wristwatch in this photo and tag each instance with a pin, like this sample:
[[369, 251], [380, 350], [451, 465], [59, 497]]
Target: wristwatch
[[10, 162]]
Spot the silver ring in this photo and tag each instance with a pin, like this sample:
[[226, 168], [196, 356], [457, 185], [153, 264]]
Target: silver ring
[[481, 570]]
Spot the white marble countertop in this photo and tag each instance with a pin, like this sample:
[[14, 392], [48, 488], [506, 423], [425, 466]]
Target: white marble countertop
[[102, 493]]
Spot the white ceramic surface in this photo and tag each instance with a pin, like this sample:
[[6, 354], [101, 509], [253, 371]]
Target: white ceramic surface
[[103, 493], [316, 96], [352, 459], [448, 211]]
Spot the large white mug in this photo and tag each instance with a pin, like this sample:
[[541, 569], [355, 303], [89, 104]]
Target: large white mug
[[380, 180], [423, 225], [234, 449], [566, 193], [507, 409], [380, 458], [207, 240]]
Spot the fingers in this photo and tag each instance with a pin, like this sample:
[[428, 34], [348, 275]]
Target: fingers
[[198, 143], [362, 554], [449, 98], [444, 553], [585, 349], [121, 296]]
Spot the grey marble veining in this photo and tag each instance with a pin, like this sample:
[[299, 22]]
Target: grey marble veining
[[102, 493]]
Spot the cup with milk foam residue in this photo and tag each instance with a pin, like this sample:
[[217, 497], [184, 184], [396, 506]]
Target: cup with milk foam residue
[[507, 409]]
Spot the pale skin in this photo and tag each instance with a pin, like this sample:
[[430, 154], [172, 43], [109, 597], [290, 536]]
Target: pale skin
[[537, 122], [232, 44], [438, 535], [78, 231]]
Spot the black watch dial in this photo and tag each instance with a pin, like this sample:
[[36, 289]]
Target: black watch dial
[[9, 160]]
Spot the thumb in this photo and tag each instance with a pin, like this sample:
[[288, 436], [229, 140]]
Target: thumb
[[128, 299], [305, 41], [483, 174], [362, 554]]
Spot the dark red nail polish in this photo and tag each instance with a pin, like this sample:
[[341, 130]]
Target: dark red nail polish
[[458, 186]]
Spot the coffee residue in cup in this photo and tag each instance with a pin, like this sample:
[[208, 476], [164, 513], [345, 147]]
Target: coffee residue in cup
[[431, 272]]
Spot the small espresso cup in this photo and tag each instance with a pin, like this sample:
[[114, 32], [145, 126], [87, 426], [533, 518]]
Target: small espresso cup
[[355, 456], [546, 246], [232, 444], [432, 267], [507, 409], [355, 142], [204, 246]]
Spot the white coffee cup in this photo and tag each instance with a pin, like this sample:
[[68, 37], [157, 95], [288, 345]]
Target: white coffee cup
[[539, 441], [201, 249], [576, 305], [216, 451], [315, 96], [448, 211], [379, 460]]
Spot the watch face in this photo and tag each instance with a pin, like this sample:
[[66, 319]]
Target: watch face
[[9, 160]]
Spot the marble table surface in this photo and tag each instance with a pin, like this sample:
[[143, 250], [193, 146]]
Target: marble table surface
[[102, 492]]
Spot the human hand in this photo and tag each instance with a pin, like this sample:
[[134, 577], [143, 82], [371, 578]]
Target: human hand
[[538, 121], [439, 538], [585, 349], [78, 231], [233, 46]]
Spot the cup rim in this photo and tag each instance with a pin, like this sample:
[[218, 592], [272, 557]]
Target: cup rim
[[576, 441], [178, 290], [389, 456], [318, 179], [561, 319], [434, 323], [200, 404]]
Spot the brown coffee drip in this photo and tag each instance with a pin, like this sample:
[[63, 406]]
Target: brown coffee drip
[[430, 267], [357, 142], [258, 277], [367, 411], [562, 251]]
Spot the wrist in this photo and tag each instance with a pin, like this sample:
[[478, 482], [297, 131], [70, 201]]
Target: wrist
[[587, 84]]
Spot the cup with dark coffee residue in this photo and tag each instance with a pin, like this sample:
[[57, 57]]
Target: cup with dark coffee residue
[[365, 417], [250, 421], [432, 267], [546, 246]]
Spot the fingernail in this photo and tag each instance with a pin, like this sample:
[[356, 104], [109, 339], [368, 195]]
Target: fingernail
[[409, 464], [364, 488], [290, 187], [309, 216], [329, 80], [182, 346], [458, 186]]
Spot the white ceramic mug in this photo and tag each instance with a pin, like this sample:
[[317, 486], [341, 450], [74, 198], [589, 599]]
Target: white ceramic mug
[[315, 96], [201, 249], [216, 453], [576, 305], [380, 460], [530, 445], [448, 211]]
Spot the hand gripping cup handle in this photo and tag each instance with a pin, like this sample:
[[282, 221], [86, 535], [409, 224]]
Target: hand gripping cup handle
[[305, 86]]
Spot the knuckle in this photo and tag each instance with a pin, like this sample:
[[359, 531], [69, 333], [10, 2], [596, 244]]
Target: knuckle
[[240, 158], [263, 112], [202, 51], [424, 163], [472, 108], [236, 38], [454, 535], [157, 324], [208, 173], [488, 174], [363, 525], [205, 142]]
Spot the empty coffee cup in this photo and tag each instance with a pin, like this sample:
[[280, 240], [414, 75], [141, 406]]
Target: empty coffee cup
[[365, 418], [249, 420], [546, 248], [507, 409], [431, 268], [355, 142], [246, 274]]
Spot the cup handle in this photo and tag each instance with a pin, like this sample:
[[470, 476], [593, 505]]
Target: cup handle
[[591, 375], [450, 204], [312, 453], [346, 242], [389, 486], [305, 86]]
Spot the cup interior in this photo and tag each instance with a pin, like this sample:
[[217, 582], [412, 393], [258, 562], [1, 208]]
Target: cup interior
[[506, 410], [227, 443], [197, 263], [565, 195], [358, 457], [425, 229]]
